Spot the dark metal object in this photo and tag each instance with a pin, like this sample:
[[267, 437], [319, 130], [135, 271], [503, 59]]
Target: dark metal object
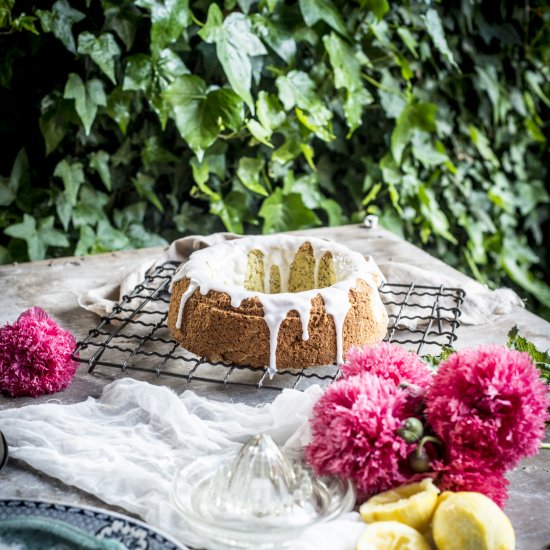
[[3, 451], [134, 337]]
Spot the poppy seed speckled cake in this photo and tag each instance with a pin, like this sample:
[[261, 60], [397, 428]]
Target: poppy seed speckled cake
[[279, 301]]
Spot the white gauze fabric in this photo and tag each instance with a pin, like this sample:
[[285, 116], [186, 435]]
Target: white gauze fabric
[[126, 447]]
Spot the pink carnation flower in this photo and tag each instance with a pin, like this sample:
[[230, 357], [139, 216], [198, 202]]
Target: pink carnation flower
[[35, 355], [489, 406], [389, 361], [491, 483], [354, 433]]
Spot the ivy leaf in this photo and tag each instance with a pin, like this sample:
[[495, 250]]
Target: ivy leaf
[[102, 50], [482, 144], [232, 210], [409, 40], [142, 238], [132, 214], [60, 21], [53, 123], [124, 21], [7, 59], [72, 175], [118, 107], [309, 154], [99, 161], [25, 22], [432, 212], [425, 152], [434, 27], [51, 236], [167, 66], [306, 186], [26, 230], [216, 160], [87, 98], [5, 13], [296, 89], [378, 7], [200, 176], [64, 209], [277, 37], [235, 44], [201, 116], [541, 358], [86, 241], [212, 31], [192, 219], [289, 150], [19, 176], [5, 256], [270, 111], [522, 276], [259, 132], [286, 212], [89, 209], [323, 10], [249, 172], [138, 74], [39, 238], [334, 212], [535, 80], [419, 116], [347, 75], [535, 131], [145, 186], [152, 152], [169, 18], [109, 238]]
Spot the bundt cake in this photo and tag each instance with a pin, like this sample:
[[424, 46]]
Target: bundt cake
[[279, 301]]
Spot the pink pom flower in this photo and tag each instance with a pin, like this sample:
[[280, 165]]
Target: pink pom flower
[[35, 355], [491, 483], [354, 433], [489, 406], [389, 361]]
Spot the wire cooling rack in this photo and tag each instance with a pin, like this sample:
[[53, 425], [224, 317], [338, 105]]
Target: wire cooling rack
[[135, 337]]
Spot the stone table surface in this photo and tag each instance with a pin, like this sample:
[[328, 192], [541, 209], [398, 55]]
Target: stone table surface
[[55, 285]]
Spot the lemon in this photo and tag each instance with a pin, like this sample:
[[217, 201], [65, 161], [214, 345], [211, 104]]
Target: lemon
[[471, 521], [412, 504], [390, 535]]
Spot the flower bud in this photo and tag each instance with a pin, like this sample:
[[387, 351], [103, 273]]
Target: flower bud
[[419, 460], [411, 430]]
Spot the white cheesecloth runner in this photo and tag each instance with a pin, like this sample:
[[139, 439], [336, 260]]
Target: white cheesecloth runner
[[126, 446]]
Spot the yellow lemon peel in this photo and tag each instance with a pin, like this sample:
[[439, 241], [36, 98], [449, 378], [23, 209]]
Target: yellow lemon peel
[[471, 521], [390, 535], [411, 504]]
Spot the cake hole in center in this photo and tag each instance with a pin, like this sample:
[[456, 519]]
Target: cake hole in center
[[303, 273]]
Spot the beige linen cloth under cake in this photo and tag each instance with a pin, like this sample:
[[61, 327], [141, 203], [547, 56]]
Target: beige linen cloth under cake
[[480, 306]]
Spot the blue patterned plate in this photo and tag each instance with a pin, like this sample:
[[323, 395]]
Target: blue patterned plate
[[92, 522]]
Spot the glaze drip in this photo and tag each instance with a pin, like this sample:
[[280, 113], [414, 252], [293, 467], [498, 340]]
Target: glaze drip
[[275, 265]]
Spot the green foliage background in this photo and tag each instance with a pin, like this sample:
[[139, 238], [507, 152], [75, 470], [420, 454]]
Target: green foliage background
[[129, 123]]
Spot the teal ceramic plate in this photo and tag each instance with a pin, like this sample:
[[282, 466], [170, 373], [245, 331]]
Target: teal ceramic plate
[[32, 524]]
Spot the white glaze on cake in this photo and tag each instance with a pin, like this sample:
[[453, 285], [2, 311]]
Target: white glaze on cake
[[222, 268]]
